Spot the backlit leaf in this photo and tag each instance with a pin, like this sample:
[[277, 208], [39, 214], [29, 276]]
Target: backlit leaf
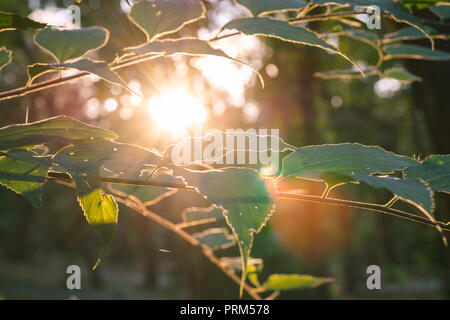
[[284, 31], [60, 128], [184, 46], [98, 68], [341, 163], [411, 33], [66, 45], [243, 196], [347, 159], [25, 173], [401, 75], [11, 21], [259, 7], [413, 191], [442, 10], [100, 210], [394, 9], [435, 170], [160, 17], [410, 51], [116, 157]]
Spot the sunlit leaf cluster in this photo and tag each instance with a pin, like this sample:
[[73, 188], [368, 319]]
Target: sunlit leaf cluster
[[242, 200]]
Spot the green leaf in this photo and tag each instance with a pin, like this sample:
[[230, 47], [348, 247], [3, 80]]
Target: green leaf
[[435, 170], [293, 281], [347, 159], [413, 191], [342, 163], [215, 238], [120, 158], [442, 10], [243, 196], [60, 128], [401, 75], [284, 31], [66, 45], [83, 162], [100, 210], [11, 21], [395, 10], [98, 68], [411, 33], [24, 173], [5, 57], [184, 46], [409, 51], [260, 7], [160, 17], [196, 214]]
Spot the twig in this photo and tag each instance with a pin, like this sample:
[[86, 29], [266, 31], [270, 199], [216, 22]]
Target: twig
[[310, 198], [364, 205], [19, 92], [207, 252]]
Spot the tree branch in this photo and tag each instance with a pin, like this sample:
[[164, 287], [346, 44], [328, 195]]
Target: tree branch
[[295, 196], [207, 252], [19, 92], [364, 205]]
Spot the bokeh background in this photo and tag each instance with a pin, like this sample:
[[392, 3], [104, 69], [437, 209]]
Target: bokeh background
[[148, 262]]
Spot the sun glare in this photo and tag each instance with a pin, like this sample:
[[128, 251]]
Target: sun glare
[[176, 110]]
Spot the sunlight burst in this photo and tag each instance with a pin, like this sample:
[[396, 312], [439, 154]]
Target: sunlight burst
[[176, 110]]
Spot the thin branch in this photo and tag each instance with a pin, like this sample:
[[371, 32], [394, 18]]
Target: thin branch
[[310, 198], [207, 252], [19, 92], [65, 176], [364, 205]]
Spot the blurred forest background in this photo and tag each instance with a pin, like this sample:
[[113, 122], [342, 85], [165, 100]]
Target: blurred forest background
[[147, 262]]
